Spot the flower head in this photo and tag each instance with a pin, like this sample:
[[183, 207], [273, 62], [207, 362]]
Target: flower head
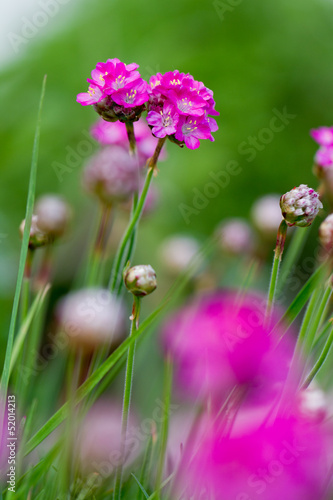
[[38, 237], [53, 215], [114, 133], [220, 340], [324, 157], [266, 215], [235, 236], [140, 280], [91, 317], [111, 175], [116, 90], [287, 457], [179, 107], [300, 206], [323, 136]]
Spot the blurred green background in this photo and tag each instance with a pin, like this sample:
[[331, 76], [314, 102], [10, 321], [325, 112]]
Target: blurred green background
[[257, 56]]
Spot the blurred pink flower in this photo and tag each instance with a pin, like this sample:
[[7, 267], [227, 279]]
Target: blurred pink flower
[[114, 133], [219, 341], [99, 438], [323, 136], [286, 458], [111, 175]]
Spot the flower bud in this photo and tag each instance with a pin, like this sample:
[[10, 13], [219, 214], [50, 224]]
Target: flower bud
[[326, 233], [300, 206], [140, 280], [53, 215], [266, 215], [235, 236], [91, 317], [111, 175], [38, 238]]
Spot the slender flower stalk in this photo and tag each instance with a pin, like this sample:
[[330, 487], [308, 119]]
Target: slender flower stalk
[[119, 260], [127, 396]]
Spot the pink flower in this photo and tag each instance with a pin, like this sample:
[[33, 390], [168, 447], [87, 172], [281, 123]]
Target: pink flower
[[219, 341], [191, 129], [286, 457], [108, 133], [111, 175], [324, 156], [177, 98], [323, 135], [119, 89], [164, 121]]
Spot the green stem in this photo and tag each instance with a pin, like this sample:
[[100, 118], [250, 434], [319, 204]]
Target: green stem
[[281, 238], [119, 260], [131, 138], [168, 371], [127, 396], [292, 255], [321, 360], [317, 320]]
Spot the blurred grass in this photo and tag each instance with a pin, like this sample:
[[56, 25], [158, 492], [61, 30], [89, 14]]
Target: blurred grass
[[260, 57]]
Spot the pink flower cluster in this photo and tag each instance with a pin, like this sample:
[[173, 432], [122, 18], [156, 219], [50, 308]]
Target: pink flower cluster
[[114, 133], [286, 457], [117, 90], [261, 437], [324, 137], [180, 106], [219, 341]]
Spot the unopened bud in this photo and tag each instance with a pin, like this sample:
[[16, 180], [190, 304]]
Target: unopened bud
[[140, 280], [53, 215], [300, 206], [38, 238]]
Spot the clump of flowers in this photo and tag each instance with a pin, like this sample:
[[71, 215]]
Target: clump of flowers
[[115, 133], [116, 91], [179, 107], [300, 206], [220, 340], [269, 458], [324, 156]]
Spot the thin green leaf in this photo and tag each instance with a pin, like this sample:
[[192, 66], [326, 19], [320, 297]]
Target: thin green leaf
[[24, 249], [302, 297], [20, 337], [140, 486]]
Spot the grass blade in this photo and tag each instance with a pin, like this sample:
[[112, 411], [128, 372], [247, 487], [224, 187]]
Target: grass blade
[[24, 249], [140, 486]]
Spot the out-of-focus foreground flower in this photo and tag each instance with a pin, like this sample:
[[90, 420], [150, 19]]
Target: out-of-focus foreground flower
[[221, 340]]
